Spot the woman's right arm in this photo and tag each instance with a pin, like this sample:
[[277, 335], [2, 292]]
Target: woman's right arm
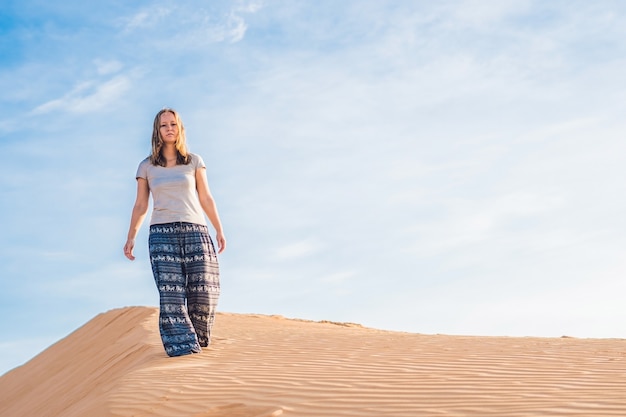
[[139, 214]]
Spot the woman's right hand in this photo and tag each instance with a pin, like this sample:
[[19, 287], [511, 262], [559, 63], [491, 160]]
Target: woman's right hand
[[139, 212], [128, 249]]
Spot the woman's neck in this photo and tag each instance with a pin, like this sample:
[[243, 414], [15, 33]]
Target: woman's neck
[[169, 152]]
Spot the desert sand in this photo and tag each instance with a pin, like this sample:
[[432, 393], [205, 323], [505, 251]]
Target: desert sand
[[262, 366]]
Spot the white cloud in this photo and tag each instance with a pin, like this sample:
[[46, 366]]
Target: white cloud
[[209, 27], [105, 67], [145, 18], [235, 29], [88, 96], [478, 13], [249, 6], [464, 223], [195, 25], [337, 278], [296, 250]]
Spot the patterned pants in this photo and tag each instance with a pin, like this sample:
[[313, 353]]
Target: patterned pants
[[186, 273]]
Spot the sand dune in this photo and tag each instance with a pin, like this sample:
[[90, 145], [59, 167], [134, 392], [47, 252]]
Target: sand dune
[[262, 366]]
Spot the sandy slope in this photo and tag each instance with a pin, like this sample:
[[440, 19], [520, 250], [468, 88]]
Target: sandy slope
[[261, 366]]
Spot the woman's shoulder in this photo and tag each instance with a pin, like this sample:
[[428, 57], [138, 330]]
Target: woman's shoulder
[[196, 159], [143, 168], [145, 161]]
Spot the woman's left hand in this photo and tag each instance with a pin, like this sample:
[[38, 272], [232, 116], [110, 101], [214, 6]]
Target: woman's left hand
[[221, 242], [128, 249]]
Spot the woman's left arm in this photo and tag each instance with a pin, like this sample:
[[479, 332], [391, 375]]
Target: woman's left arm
[[210, 208]]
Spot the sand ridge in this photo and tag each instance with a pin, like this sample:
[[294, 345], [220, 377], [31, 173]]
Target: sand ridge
[[263, 366]]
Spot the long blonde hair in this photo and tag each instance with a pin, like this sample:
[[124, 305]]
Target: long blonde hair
[[182, 155]]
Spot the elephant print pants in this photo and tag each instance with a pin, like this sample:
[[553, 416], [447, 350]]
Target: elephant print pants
[[186, 273]]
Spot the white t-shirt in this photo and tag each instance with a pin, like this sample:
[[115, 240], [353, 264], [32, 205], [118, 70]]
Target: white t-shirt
[[173, 189]]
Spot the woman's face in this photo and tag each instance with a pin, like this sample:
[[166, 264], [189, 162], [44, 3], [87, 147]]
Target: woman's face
[[168, 128]]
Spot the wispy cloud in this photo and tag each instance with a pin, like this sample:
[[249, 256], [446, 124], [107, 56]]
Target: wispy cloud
[[296, 250], [105, 67], [249, 6], [463, 223], [146, 18], [478, 14], [196, 25], [88, 96]]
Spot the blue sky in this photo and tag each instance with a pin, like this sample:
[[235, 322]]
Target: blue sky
[[435, 167]]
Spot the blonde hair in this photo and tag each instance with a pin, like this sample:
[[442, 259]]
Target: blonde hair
[[182, 155]]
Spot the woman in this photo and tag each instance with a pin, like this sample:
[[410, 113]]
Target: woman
[[182, 255]]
